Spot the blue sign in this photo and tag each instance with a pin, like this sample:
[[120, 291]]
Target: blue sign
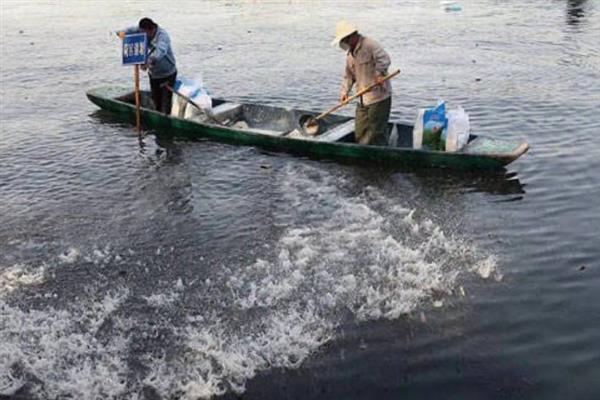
[[135, 49]]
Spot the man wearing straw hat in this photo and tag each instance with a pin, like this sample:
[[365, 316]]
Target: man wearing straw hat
[[366, 63]]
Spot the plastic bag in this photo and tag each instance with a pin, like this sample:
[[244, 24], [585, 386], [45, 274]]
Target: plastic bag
[[418, 130], [428, 128], [178, 104], [458, 129], [196, 92], [393, 138]]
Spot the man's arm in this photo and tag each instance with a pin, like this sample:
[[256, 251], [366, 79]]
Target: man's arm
[[347, 82], [382, 62], [163, 43]]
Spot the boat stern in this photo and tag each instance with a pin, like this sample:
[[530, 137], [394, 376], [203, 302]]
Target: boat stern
[[505, 151]]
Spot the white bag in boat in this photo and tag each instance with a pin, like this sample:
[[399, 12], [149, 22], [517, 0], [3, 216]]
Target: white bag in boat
[[393, 138], [418, 130], [203, 100], [458, 129], [197, 93], [429, 126], [178, 106]]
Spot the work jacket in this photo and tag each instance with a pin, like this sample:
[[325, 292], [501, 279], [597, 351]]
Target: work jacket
[[363, 65]]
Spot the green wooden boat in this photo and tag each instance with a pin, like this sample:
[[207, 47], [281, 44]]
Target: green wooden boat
[[278, 128]]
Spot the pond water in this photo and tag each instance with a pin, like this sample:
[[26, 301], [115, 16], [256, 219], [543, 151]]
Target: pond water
[[181, 268]]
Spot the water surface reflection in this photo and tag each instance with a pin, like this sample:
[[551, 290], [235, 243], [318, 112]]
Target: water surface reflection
[[576, 11]]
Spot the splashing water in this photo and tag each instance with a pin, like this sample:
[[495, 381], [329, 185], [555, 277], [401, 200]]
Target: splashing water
[[362, 257], [63, 351]]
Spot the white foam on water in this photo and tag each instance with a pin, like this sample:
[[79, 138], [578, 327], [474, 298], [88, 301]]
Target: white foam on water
[[486, 268], [216, 359], [162, 299], [70, 256], [19, 275], [63, 350], [341, 255], [353, 261], [100, 256], [377, 262]]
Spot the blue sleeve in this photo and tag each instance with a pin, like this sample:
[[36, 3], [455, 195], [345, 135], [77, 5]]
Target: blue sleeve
[[163, 43]]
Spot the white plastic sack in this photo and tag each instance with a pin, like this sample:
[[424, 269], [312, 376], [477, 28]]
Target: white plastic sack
[[196, 92], [393, 138], [178, 106], [418, 130], [203, 100], [429, 126], [458, 129]]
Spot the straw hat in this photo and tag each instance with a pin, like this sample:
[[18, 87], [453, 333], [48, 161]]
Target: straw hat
[[342, 30]]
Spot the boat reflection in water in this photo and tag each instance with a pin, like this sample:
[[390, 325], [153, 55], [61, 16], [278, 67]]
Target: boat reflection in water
[[499, 182], [495, 181], [576, 11]]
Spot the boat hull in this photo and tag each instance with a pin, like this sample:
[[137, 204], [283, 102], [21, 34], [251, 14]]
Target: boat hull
[[110, 99]]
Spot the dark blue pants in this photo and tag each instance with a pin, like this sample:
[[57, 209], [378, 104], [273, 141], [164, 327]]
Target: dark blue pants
[[162, 97]]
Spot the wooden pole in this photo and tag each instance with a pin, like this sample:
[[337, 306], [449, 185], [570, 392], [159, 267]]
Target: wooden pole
[[137, 100], [360, 93]]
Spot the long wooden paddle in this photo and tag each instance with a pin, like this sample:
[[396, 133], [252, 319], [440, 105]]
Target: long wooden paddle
[[311, 126], [186, 98]]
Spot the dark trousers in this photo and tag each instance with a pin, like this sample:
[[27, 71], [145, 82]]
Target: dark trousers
[[162, 97], [372, 123]]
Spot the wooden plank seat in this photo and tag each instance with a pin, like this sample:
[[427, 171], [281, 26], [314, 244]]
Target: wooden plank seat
[[337, 133]]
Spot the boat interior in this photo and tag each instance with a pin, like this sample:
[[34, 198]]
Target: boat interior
[[276, 121]]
